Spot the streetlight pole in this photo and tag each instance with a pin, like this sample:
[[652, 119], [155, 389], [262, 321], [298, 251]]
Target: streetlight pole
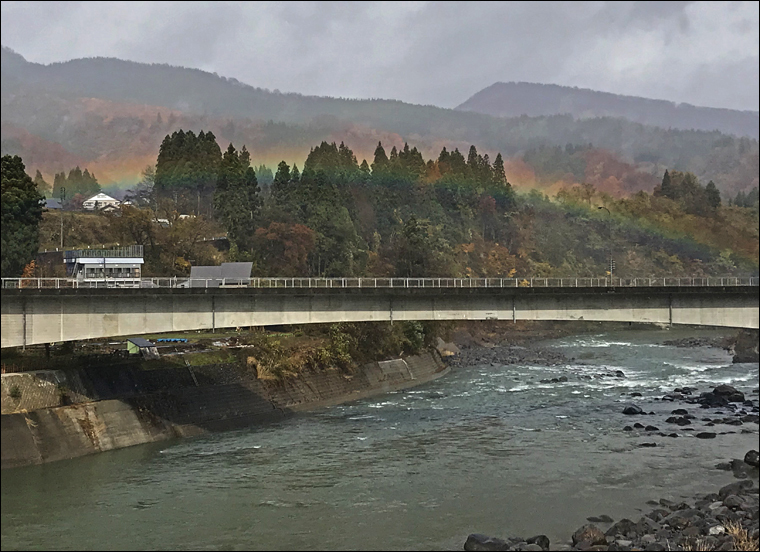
[[609, 240]]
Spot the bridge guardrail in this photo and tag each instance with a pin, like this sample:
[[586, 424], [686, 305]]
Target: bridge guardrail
[[305, 283]]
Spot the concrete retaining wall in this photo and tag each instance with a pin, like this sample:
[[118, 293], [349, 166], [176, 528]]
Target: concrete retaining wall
[[123, 406]]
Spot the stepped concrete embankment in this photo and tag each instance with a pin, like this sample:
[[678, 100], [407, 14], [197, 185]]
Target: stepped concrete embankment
[[59, 414]]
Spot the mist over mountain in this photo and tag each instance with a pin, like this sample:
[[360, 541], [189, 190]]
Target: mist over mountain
[[512, 99], [112, 115]]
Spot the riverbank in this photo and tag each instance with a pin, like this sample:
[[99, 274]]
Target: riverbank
[[722, 520], [57, 415], [726, 519]]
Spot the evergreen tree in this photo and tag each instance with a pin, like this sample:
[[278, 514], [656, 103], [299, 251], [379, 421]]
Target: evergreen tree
[[21, 215], [295, 176], [380, 164], [666, 188], [42, 186], [281, 187], [713, 195], [236, 198], [499, 176]]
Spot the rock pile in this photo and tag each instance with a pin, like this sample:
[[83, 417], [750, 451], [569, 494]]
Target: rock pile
[[726, 520]]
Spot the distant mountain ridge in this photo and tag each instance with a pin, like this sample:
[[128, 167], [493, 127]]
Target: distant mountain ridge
[[513, 99], [111, 116]]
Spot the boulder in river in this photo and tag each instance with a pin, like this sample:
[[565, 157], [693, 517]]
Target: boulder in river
[[632, 409], [705, 435], [729, 392], [589, 533], [483, 543], [540, 540], [751, 458]]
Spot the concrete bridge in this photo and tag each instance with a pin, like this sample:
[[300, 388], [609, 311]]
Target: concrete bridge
[[38, 311]]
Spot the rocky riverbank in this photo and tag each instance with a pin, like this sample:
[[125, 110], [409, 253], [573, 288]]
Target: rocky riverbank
[[725, 519], [722, 520]]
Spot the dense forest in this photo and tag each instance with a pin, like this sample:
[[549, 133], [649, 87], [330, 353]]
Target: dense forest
[[400, 214]]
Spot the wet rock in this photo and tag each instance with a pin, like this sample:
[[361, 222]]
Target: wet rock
[[733, 502], [624, 527], [729, 392], [648, 445], [651, 428], [709, 400], [635, 394], [632, 410], [483, 543], [751, 458], [737, 488], [627, 428], [637, 425], [705, 435], [589, 533], [540, 540], [604, 518], [672, 434], [679, 411]]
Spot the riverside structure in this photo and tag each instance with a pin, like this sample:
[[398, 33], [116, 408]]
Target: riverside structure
[[36, 310]]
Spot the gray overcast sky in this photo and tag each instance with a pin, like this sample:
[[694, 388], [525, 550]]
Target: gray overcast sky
[[440, 53]]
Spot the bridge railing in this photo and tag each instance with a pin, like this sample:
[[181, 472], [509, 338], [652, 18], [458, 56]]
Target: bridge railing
[[337, 283]]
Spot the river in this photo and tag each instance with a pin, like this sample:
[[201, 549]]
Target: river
[[484, 449]]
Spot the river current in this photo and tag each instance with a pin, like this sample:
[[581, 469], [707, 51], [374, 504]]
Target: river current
[[484, 449]]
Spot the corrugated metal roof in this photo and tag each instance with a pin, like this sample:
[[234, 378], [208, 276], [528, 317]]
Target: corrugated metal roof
[[231, 273], [237, 270], [140, 342]]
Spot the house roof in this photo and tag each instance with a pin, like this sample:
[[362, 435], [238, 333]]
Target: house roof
[[101, 197], [52, 203], [231, 273], [140, 342]]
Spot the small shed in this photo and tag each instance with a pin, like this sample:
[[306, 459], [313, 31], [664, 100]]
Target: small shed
[[142, 346]]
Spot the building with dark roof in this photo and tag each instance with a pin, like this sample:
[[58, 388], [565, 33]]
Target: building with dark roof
[[226, 275], [138, 345]]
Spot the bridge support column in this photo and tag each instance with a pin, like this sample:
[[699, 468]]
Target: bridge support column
[[670, 310], [23, 322], [213, 314]]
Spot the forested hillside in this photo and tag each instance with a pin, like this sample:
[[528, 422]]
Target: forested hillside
[[111, 115], [512, 99], [399, 213]]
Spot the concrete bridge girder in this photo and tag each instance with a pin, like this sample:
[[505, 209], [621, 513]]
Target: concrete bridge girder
[[35, 316]]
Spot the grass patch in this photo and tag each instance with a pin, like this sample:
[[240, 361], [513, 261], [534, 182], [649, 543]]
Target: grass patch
[[221, 356], [742, 540]]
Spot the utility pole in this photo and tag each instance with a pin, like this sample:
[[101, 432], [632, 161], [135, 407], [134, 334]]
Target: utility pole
[[63, 198], [611, 263]]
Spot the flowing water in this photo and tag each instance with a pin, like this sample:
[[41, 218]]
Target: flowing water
[[485, 449]]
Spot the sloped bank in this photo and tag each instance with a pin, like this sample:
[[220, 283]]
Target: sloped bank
[[60, 414]]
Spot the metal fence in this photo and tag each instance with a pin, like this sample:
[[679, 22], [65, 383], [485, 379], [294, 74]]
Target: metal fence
[[305, 283]]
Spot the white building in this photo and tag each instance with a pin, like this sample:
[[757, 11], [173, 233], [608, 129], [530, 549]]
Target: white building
[[99, 201], [121, 267]]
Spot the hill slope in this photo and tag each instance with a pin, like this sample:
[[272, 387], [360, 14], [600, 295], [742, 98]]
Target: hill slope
[[512, 99], [113, 114]]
